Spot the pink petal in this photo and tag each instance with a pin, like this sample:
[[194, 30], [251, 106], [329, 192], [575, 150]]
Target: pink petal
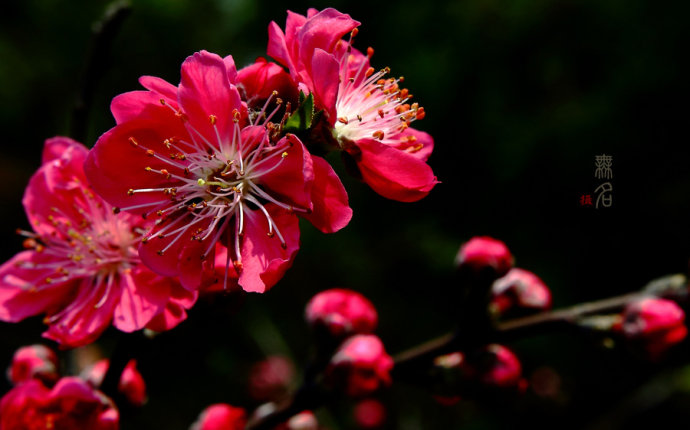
[[162, 88], [115, 165], [420, 147], [331, 208], [325, 76], [157, 253], [230, 69], [55, 147], [19, 298], [174, 311], [277, 48], [205, 91], [293, 177], [264, 260], [84, 319], [143, 295], [322, 31], [392, 173], [196, 268], [135, 104]]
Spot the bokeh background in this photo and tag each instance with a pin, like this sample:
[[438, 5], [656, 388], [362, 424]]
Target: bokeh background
[[521, 95]]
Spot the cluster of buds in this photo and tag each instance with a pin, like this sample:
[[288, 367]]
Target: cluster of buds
[[490, 370], [42, 399], [346, 319]]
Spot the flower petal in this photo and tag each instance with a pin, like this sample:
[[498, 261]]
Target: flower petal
[[331, 208], [291, 174], [416, 143], [204, 91], [143, 294], [325, 75], [118, 162], [19, 295], [264, 260], [392, 173]]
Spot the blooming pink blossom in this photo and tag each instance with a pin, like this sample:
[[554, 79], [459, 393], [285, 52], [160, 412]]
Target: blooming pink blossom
[[360, 366], [654, 325], [369, 115], [131, 384], [70, 404], [483, 253], [221, 416], [520, 290], [81, 267], [210, 171], [341, 312], [34, 361]]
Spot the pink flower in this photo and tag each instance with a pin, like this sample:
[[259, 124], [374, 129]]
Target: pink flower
[[654, 325], [131, 385], [518, 291], [484, 254], [221, 416], [360, 366], [210, 171], [81, 267], [341, 312], [70, 404], [369, 115], [34, 361]]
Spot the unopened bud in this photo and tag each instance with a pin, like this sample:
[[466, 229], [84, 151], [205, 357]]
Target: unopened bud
[[519, 292], [34, 362], [483, 254], [341, 312], [221, 416], [654, 325], [360, 366]]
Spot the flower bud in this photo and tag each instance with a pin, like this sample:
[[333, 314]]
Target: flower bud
[[131, 385], [519, 292], [34, 361], [270, 379], [341, 312], [221, 416], [360, 366], [370, 414], [70, 404], [305, 420], [483, 254], [654, 325], [496, 366]]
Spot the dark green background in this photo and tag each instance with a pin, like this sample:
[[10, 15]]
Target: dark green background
[[520, 97]]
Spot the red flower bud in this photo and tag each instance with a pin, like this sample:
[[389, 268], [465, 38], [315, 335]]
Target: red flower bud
[[654, 325], [221, 416], [483, 253], [131, 384], [360, 366], [519, 290], [305, 420], [34, 361], [341, 312], [370, 414], [270, 379], [497, 366], [70, 404]]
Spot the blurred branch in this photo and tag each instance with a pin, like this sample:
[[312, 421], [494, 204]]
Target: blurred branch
[[104, 32]]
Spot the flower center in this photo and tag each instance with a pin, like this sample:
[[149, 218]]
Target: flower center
[[369, 105]]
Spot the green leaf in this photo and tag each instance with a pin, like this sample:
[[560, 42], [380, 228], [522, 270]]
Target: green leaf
[[302, 118]]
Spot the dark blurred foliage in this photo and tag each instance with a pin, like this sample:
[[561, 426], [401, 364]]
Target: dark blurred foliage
[[520, 97]]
